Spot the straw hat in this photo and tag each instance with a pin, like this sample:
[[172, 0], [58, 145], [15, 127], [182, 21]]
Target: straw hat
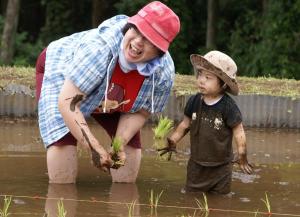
[[220, 65]]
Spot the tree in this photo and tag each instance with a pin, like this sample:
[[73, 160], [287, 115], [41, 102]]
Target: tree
[[9, 31], [102, 9], [266, 44], [211, 29]]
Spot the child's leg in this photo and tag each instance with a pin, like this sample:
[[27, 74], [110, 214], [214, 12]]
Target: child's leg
[[127, 173], [196, 180], [223, 185], [214, 179]]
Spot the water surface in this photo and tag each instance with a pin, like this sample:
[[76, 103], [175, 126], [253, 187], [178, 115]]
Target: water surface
[[23, 174]]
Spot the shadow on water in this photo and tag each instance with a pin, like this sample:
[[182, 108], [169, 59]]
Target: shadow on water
[[23, 174]]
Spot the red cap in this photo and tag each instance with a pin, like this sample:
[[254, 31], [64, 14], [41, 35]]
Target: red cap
[[158, 23]]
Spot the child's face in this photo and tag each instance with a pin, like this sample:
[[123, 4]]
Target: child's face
[[208, 83]]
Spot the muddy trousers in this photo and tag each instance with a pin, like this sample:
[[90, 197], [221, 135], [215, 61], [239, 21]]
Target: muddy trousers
[[214, 179]]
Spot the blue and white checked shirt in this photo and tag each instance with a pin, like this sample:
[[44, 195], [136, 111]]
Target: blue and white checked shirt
[[88, 58]]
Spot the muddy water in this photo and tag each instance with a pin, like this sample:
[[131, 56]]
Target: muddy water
[[23, 173]]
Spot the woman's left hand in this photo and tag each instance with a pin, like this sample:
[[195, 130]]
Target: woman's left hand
[[118, 159]]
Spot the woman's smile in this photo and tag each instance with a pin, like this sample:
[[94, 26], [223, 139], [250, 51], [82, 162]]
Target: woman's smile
[[137, 48]]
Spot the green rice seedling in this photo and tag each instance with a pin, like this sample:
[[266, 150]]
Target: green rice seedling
[[256, 213], [188, 215], [61, 209], [4, 211], [163, 128], [161, 131], [154, 200], [267, 203], [203, 205], [131, 207], [116, 146]]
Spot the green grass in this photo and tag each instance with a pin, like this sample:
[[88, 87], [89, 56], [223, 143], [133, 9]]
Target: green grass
[[17, 75], [184, 84]]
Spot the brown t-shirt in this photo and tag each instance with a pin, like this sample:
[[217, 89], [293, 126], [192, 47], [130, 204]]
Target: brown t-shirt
[[211, 129]]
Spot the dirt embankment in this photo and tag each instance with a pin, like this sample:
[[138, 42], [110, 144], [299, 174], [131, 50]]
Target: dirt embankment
[[184, 84]]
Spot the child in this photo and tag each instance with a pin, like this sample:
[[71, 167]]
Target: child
[[213, 118]]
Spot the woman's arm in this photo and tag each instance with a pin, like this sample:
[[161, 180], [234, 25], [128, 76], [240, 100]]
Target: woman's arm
[[129, 125], [68, 104]]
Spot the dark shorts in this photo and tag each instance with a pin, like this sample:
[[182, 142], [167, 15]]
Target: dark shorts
[[108, 121], [215, 179]]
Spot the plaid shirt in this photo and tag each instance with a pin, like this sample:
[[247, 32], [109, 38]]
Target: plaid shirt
[[88, 59]]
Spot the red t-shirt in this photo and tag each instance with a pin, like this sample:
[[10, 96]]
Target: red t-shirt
[[123, 87]]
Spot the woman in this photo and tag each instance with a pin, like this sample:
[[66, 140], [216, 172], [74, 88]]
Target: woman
[[119, 73]]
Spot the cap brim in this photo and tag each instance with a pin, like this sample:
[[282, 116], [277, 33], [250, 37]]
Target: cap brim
[[147, 30], [199, 62]]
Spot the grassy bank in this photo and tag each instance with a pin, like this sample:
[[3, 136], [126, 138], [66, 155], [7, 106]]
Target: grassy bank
[[184, 84]]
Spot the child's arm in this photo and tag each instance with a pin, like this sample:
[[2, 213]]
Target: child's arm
[[179, 133], [181, 130], [240, 139]]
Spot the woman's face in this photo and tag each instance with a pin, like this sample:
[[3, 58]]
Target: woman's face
[[137, 48]]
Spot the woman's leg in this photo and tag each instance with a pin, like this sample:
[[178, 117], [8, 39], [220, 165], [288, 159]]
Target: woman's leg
[[62, 162], [61, 155], [129, 172], [55, 193]]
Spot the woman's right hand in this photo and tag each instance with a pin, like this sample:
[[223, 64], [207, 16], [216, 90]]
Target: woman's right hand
[[101, 159]]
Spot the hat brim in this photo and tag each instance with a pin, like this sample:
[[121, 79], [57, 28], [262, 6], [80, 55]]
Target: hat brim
[[199, 62], [147, 30]]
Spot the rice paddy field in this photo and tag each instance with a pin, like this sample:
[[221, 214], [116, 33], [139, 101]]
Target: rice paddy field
[[272, 190]]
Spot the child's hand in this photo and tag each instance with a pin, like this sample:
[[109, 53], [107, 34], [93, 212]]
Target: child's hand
[[245, 166], [170, 148]]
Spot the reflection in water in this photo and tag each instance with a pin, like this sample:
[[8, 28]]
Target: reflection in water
[[65, 192], [123, 193]]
